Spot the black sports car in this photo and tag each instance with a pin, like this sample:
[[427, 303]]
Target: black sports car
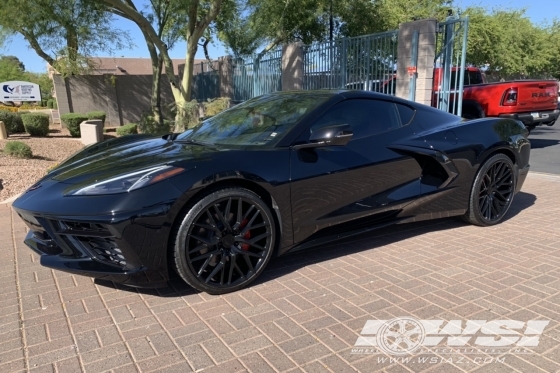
[[278, 173]]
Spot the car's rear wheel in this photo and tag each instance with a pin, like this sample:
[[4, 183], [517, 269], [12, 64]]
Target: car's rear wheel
[[492, 192], [225, 241]]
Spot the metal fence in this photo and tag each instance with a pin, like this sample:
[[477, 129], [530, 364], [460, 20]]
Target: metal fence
[[206, 80], [450, 62], [257, 75], [364, 62]]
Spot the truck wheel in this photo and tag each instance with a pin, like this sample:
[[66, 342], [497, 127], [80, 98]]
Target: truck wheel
[[470, 114]]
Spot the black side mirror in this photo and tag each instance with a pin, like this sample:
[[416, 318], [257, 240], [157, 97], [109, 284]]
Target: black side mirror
[[337, 135]]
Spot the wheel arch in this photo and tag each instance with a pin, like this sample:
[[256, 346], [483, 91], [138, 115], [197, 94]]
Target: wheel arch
[[212, 187]]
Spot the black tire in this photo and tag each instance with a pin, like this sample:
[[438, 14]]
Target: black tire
[[492, 191], [470, 114], [224, 241]]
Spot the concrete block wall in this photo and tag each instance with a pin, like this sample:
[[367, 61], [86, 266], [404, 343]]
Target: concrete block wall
[[292, 67], [426, 55]]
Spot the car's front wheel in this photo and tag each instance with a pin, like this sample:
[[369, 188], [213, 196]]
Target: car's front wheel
[[225, 241], [492, 191]]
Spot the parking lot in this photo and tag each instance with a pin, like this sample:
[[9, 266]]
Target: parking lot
[[545, 149], [307, 310]]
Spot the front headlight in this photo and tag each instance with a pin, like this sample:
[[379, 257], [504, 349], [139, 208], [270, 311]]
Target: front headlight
[[129, 182]]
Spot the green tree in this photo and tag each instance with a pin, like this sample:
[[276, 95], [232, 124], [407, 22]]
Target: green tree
[[508, 43], [11, 68], [192, 17], [63, 32], [264, 24]]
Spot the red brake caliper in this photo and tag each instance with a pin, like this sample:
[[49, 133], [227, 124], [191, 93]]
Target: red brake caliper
[[247, 234]]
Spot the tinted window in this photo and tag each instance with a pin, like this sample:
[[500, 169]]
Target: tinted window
[[475, 77], [406, 113], [367, 117], [471, 77]]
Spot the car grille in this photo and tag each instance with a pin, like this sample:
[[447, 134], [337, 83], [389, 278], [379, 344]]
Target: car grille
[[105, 250], [94, 239]]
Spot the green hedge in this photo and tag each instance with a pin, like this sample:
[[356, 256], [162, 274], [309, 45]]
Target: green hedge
[[18, 149], [72, 122], [36, 124], [12, 121], [127, 129], [50, 103], [97, 115]]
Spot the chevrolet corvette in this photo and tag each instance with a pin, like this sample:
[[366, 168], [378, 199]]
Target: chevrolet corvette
[[275, 174]]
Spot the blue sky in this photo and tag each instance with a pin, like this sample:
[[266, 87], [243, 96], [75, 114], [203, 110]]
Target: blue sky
[[540, 11]]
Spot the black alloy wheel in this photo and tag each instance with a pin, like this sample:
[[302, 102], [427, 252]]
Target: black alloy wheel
[[225, 241], [492, 192]]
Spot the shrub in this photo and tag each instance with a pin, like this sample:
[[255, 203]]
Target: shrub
[[50, 103], [191, 119], [216, 106], [149, 125], [127, 129], [36, 124], [9, 120], [55, 104], [72, 122], [11, 109], [97, 115], [18, 149]]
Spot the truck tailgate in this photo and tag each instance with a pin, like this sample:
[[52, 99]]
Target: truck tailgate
[[537, 95]]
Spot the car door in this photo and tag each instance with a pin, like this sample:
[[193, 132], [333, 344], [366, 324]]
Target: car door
[[363, 181]]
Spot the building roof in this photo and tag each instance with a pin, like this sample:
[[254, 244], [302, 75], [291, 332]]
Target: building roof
[[131, 66]]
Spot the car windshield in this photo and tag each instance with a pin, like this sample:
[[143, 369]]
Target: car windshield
[[260, 121]]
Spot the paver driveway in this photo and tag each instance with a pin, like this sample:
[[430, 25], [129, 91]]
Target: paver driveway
[[306, 311]]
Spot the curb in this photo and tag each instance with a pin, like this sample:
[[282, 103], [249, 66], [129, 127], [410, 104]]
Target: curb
[[11, 199], [544, 174]]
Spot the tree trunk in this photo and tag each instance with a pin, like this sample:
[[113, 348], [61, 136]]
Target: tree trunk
[[186, 86], [157, 67], [156, 92]]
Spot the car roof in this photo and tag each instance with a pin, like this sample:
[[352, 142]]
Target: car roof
[[349, 94]]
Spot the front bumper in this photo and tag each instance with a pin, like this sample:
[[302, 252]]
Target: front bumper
[[532, 121], [123, 253]]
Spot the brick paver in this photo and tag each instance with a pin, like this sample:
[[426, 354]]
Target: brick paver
[[306, 310]]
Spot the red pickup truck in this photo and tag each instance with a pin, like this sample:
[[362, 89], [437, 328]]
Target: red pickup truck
[[534, 102]]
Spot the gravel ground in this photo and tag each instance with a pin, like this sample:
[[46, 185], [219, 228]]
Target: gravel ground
[[17, 174]]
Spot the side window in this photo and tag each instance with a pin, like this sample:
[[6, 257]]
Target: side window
[[406, 113], [367, 117]]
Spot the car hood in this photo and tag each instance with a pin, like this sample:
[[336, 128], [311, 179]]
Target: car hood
[[123, 155]]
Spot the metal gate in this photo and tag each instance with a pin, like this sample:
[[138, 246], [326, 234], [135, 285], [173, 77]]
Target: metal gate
[[450, 63], [365, 62], [257, 75], [206, 81]]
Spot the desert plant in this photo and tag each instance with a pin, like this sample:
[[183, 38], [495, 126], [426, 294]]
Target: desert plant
[[72, 122], [128, 129], [36, 124], [191, 118], [18, 149], [216, 106], [149, 125], [97, 115]]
